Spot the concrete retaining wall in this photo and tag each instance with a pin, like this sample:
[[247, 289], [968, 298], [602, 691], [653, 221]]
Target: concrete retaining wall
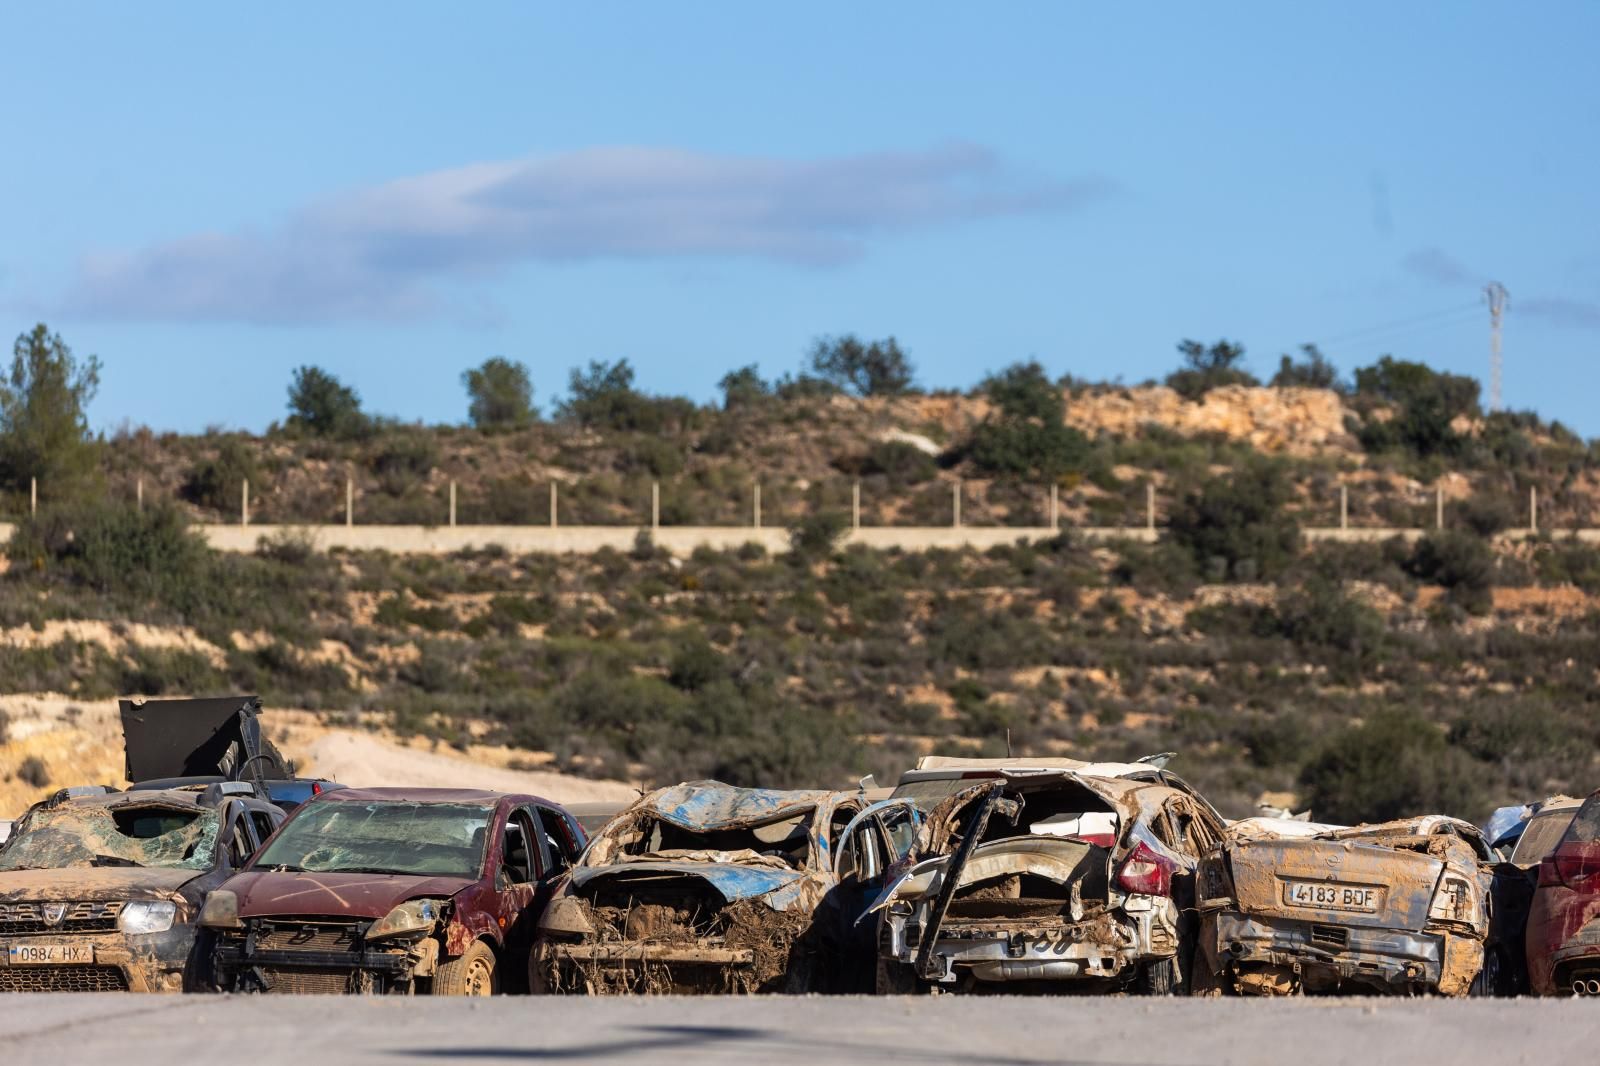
[[681, 540]]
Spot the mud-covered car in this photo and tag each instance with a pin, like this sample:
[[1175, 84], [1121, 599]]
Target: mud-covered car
[[1030, 877], [100, 890], [1418, 905], [1542, 832], [393, 890], [1563, 931], [704, 887]]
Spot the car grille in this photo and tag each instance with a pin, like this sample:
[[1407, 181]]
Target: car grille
[[313, 935], [33, 917], [306, 982], [1330, 936], [62, 979]]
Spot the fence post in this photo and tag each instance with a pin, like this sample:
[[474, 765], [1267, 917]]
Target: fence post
[[955, 509], [1150, 506], [33, 496], [244, 503], [1438, 507], [855, 506], [138, 493], [349, 502], [552, 505], [1055, 506], [758, 505], [655, 505], [452, 504], [1344, 506], [1533, 510]]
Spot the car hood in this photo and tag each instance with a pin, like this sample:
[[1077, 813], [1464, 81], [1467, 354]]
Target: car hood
[[778, 889], [263, 893], [94, 883]]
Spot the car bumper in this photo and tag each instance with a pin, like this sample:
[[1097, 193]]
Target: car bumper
[[1554, 962], [643, 966], [1381, 958], [1103, 948], [147, 962], [242, 968]]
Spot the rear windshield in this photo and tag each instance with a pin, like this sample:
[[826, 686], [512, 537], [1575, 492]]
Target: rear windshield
[[785, 843], [433, 839], [181, 838], [929, 794], [1541, 835], [1586, 826]]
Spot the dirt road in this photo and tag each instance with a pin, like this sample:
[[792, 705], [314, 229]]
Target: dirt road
[[1000, 1031]]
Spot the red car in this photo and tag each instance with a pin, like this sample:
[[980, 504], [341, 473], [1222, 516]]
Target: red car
[[392, 890], [1564, 921]]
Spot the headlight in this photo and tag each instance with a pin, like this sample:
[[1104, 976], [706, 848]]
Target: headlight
[[147, 916], [221, 911], [408, 919], [566, 915]]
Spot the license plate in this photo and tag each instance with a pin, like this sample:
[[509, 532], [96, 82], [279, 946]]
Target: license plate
[[49, 954], [1330, 895]]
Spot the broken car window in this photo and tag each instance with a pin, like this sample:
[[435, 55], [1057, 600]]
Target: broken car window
[[1541, 836], [783, 843], [176, 837], [440, 839]]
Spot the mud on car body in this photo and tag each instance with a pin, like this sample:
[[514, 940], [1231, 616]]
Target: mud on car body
[[393, 890], [99, 890], [1411, 906], [704, 887], [1563, 931], [1033, 875]]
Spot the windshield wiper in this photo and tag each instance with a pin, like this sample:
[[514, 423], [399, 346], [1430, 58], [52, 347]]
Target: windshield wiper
[[364, 870], [113, 860]]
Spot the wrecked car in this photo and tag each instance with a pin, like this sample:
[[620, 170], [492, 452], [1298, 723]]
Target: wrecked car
[[1033, 877], [99, 889], [1542, 831], [393, 890], [1419, 905], [174, 743], [705, 887], [1563, 931]]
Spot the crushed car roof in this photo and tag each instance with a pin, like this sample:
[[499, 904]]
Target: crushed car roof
[[712, 804]]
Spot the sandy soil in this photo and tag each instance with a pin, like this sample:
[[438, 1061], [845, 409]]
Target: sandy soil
[[80, 742]]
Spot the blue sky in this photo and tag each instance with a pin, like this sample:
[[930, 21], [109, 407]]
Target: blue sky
[[207, 196]]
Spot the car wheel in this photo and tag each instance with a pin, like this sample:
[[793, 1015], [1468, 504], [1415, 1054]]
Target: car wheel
[[472, 974], [895, 979], [1491, 977], [1161, 977]]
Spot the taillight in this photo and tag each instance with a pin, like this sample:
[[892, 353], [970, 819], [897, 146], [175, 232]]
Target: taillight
[[1099, 840], [316, 788], [1570, 867], [1454, 900], [1146, 873]]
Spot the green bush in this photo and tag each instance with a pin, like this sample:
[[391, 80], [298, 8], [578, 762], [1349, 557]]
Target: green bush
[[1206, 368], [216, 481], [1239, 526], [323, 406], [1027, 436], [144, 555], [501, 395], [1460, 563], [1393, 765]]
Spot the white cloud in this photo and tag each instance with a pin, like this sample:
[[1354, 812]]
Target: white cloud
[[389, 251]]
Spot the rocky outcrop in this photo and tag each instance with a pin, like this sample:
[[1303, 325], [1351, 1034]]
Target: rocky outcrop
[[1297, 421]]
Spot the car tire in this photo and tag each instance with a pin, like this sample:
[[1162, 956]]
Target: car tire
[[472, 973], [895, 979], [1491, 977], [1161, 977]]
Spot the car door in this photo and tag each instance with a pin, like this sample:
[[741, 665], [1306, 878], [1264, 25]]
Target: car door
[[523, 869], [239, 835], [875, 849]]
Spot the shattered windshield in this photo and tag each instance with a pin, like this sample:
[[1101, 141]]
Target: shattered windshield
[[181, 838], [434, 839], [781, 844]]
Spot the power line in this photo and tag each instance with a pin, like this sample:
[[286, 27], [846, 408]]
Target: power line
[[1385, 326]]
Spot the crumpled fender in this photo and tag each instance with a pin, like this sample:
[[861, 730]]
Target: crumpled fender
[[1057, 859]]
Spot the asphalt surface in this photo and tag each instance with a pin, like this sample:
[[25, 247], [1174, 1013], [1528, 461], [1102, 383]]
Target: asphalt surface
[[997, 1031]]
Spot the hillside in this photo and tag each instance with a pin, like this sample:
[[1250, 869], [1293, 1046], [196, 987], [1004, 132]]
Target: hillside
[[1454, 671]]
